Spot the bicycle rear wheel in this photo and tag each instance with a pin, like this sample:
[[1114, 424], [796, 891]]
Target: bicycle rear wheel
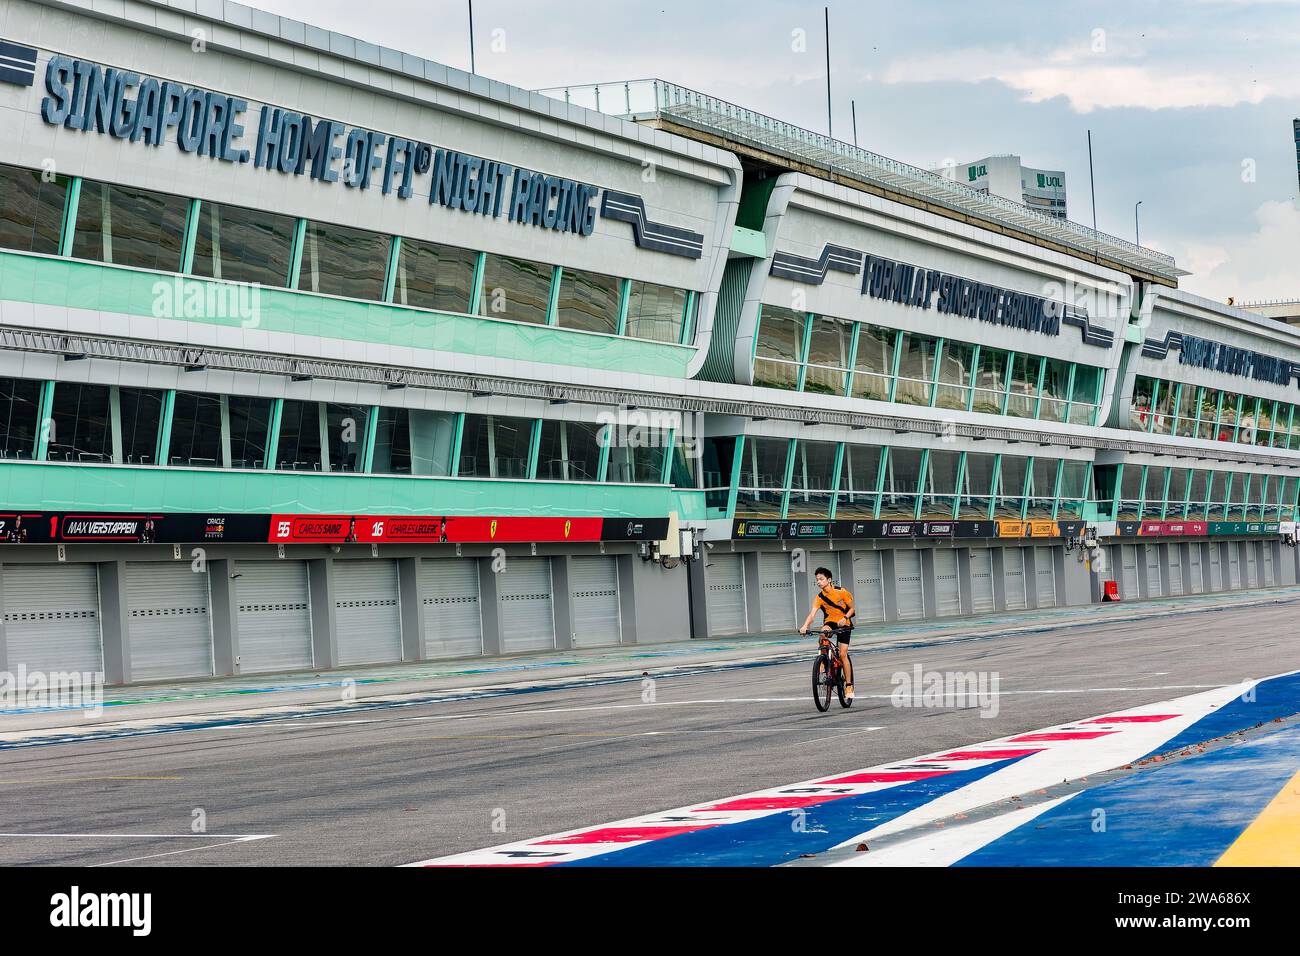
[[821, 684], [839, 689]]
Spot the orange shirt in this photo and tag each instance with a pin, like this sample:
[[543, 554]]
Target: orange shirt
[[827, 601]]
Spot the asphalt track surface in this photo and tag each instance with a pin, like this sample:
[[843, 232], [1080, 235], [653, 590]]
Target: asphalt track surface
[[386, 786]]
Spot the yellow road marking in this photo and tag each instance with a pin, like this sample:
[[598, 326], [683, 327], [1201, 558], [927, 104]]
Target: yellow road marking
[[1273, 839]]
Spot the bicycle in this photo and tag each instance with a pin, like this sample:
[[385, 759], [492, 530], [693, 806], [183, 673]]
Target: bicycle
[[828, 672]]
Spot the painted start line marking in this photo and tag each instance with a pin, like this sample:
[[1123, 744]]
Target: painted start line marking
[[841, 809]]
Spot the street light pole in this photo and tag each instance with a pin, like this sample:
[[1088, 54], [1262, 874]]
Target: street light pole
[[1137, 230]]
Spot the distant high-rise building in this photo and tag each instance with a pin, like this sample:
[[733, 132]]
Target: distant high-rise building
[[1005, 176]]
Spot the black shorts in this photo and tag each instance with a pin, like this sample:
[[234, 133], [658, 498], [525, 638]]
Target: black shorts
[[842, 633]]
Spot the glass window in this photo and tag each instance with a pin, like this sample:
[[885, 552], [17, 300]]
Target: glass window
[[1074, 489], [1042, 488], [570, 451], [1143, 402], [1130, 507], [682, 470], [1219, 492], [140, 412], [1083, 397], [860, 481], [243, 245], [915, 369], [1289, 490], [1024, 385], [762, 476], [31, 210], [719, 456], [873, 366], [338, 260], [515, 289], [1209, 412], [779, 347], [941, 484], [1010, 499], [990, 381], [20, 403], [813, 479], [1176, 497], [1228, 417], [345, 428], [130, 227], [654, 312], [828, 355], [902, 479], [1166, 392], [196, 430], [433, 276], [588, 301], [300, 437], [413, 441], [1185, 412], [956, 366], [977, 486], [80, 427], [1153, 494], [493, 446], [1056, 390], [637, 459], [250, 425]]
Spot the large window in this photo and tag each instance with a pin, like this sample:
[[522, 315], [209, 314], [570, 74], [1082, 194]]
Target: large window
[[345, 433], [1012, 476], [991, 381], [977, 486], [956, 367], [243, 245], [941, 476], [20, 402], [300, 437], [829, 342], [1074, 489], [515, 289], [779, 347], [130, 227], [493, 446], [433, 276], [902, 479], [636, 454], [1084, 395], [1042, 488], [413, 442], [250, 420], [196, 431], [31, 210], [813, 480], [916, 370], [569, 451], [338, 260], [655, 312], [1130, 492], [1056, 391], [873, 366], [81, 423], [587, 301], [762, 477], [140, 411], [860, 482], [1023, 400]]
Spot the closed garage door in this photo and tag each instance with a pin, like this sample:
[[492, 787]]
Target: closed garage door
[[168, 621], [527, 620], [1233, 578], [726, 587], [1013, 563], [1129, 571], [776, 591], [1216, 567], [907, 576], [1150, 554], [1249, 566], [947, 589], [594, 585], [1175, 569], [1044, 577], [453, 624], [52, 617], [1268, 575], [981, 580], [868, 595], [368, 612], [1195, 583], [274, 614]]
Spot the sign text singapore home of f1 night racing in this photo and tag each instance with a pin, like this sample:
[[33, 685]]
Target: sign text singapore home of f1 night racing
[[81, 95]]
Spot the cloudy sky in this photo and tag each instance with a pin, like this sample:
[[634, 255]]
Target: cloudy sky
[[1190, 102]]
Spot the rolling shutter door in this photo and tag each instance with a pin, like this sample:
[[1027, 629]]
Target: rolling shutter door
[[947, 589], [1129, 570], [1150, 554], [981, 580], [1216, 567], [908, 588], [274, 615], [1268, 576], [1044, 577], [52, 617], [1233, 577], [1195, 584], [868, 595], [368, 613], [1175, 569], [527, 621], [726, 594], [1013, 561], [168, 621], [1248, 569], [594, 585], [776, 591], [453, 621]]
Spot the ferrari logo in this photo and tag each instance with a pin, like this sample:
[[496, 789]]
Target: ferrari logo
[[492, 531], [568, 526]]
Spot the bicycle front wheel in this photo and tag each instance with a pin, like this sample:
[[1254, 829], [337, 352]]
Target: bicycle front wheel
[[821, 683]]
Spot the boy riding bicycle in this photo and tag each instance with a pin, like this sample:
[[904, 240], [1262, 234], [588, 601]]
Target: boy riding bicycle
[[836, 605]]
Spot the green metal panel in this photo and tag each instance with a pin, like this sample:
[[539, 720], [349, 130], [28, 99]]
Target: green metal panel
[[602, 466], [688, 320], [1056, 488], [789, 475], [534, 447], [665, 472], [191, 235], [295, 257], [893, 373], [372, 429], [736, 461], [836, 472], [1155, 403], [853, 358], [974, 367], [273, 434], [920, 484], [624, 294], [1006, 381], [390, 276], [162, 449], [961, 475], [1069, 391], [68, 228], [455, 444], [880, 477], [553, 300], [476, 287], [1038, 391], [44, 421], [934, 376], [803, 350], [995, 485]]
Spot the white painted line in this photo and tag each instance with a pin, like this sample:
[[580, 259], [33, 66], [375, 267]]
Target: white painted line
[[147, 836], [190, 849]]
